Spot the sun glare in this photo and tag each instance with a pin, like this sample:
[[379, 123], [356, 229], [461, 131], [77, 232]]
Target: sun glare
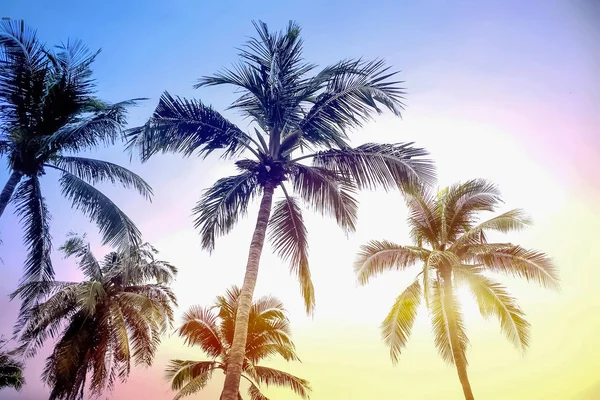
[[467, 302]]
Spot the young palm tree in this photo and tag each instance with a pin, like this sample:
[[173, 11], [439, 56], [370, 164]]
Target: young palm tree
[[116, 315], [11, 369], [454, 250], [293, 112], [268, 335], [47, 112]]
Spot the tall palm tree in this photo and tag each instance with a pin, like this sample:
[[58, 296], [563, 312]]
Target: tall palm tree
[[268, 335], [452, 245], [117, 314], [297, 118], [11, 369], [48, 111]]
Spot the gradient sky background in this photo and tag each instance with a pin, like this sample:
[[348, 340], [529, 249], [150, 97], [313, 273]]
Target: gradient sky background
[[504, 90]]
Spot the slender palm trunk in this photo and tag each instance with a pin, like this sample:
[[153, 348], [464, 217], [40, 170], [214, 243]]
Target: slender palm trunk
[[459, 359], [9, 189], [238, 347]]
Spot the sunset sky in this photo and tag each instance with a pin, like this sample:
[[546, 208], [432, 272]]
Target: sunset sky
[[503, 90]]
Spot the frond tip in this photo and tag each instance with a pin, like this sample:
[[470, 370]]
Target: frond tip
[[289, 239], [397, 326]]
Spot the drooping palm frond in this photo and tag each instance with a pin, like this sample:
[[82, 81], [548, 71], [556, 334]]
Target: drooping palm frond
[[221, 205], [180, 372], [372, 165], [443, 316], [200, 328], [255, 393], [397, 325], [96, 171], [289, 239], [494, 300], [115, 226], [270, 376], [185, 126], [78, 247], [532, 265], [34, 215], [379, 256], [328, 193]]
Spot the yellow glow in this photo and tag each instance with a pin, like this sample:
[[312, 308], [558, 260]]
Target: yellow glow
[[467, 303]]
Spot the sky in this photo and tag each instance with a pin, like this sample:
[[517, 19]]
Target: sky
[[506, 91]]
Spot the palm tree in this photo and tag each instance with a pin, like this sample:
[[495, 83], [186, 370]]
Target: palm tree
[[117, 314], [268, 335], [11, 369], [47, 112], [453, 247], [292, 113]]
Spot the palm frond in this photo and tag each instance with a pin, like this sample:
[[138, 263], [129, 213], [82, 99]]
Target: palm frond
[[115, 227], [78, 247], [270, 376], [378, 256], [96, 171], [462, 201], [37, 322], [328, 193], [101, 125], [255, 394], [11, 369], [397, 326], [532, 265], [218, 210], [200, 328], [289, 239], [509, 221], [352, 95], [424, 223], [494, 300], [185, 126], [23, 70], [180, 372], [443, 316], [372, 165], [33, 213], [193, 386]]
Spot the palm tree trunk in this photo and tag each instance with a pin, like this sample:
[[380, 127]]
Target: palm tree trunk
[[459, 359], [238, 347], [9, 189]]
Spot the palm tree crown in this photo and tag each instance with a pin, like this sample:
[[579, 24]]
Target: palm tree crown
[[117, 314], [268, 335], [452, 245], [11, 369], [47, 112], [292, 112], [297, 116]]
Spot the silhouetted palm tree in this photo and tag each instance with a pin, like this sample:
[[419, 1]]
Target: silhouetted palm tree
[[268, 335], [454, 250], [47, 112], [11, 369], [292, 113], [117, 314]]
